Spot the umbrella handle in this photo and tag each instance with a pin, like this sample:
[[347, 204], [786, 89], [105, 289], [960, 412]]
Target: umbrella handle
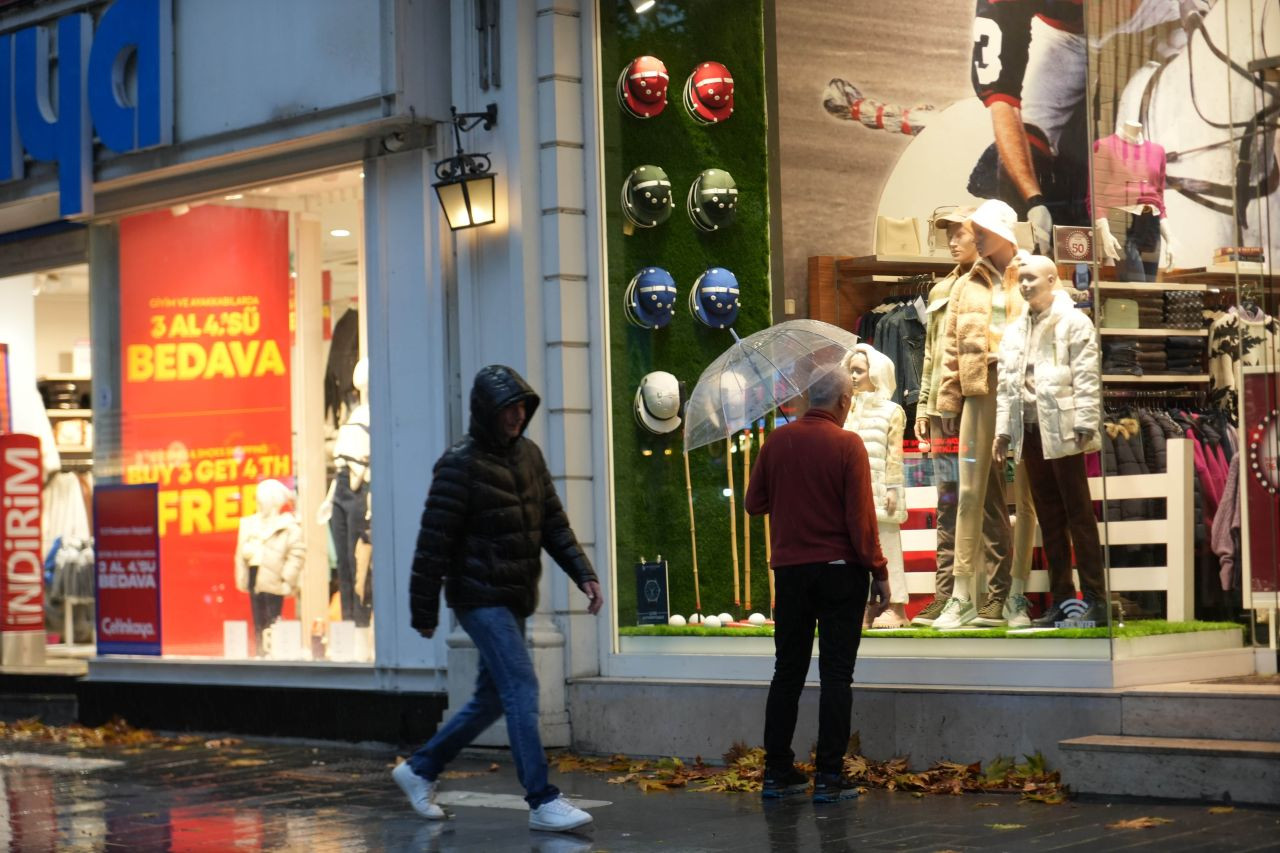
[[746, 522], [733, 521]]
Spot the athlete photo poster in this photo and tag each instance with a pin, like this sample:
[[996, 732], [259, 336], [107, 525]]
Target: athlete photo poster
[[898, 110]]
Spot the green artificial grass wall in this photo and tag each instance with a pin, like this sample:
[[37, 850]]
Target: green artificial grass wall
[[650, 507]]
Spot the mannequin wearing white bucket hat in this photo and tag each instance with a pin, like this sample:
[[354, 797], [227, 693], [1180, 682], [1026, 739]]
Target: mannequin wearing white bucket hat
[[982, 304]]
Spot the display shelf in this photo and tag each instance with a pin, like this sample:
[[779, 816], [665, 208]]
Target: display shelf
[[1153, 286], [1165, 378], [64, 377], [865, 279], [1156, 333], [1205, 276], [75, 449], [60, 414], [895, 265]]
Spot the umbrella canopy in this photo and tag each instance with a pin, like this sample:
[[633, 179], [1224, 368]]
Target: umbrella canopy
[[758, 374]]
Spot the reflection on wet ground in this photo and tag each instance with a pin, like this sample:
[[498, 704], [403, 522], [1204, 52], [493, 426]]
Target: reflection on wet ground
[[288, 797]]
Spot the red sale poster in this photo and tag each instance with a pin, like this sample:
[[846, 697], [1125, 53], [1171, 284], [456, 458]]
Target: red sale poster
[[126, 576], [22, 581], [204, 328]]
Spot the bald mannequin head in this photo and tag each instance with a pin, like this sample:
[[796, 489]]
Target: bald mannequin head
[[1037, 278]]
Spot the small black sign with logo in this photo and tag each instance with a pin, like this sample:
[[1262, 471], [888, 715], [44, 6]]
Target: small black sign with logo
[[652, 606]]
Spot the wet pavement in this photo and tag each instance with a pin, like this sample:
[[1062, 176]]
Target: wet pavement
[[258, 795]]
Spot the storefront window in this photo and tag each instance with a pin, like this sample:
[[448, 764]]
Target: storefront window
[[849, 166], [242, 399], [1184, 176]]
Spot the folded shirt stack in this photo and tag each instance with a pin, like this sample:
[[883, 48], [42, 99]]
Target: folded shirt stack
[[1120, 355], [1186, 354], [1183, 309], [1150, 311]]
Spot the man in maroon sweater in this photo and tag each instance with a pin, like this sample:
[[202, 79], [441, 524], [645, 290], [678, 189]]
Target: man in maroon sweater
[[813, 478]]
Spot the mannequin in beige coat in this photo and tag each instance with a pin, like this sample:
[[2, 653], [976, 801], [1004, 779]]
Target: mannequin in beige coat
[[269, 556]]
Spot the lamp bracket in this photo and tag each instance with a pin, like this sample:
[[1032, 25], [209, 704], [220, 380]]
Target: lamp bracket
[[468, 121]]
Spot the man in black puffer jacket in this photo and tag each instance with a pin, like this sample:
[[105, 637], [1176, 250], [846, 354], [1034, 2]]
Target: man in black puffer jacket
[[491, 510]]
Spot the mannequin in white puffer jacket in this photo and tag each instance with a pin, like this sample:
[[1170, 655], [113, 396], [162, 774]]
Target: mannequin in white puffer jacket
[[880, 423]]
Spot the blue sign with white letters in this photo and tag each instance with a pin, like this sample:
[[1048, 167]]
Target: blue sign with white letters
[[92, 93]]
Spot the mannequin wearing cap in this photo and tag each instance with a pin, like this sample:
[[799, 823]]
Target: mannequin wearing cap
[[269, 556], [1049, 413], [983, 303], [928, 421], [349, 498], [880, 423], [1129, 179]]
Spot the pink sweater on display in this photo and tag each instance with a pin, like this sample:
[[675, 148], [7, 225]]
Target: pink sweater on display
[[1127, 174]]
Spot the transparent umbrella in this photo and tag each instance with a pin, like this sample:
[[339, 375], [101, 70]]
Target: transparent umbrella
[[759, 373], [752, 378]]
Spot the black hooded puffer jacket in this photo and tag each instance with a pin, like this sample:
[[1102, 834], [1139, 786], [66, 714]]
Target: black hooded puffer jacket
[[490, 511]]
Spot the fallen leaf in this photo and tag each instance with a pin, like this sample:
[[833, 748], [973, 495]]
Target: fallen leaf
[[919, 795], [1005, 826], [247, 762], [647, 785], [1139, 823], [985, 805], [460, 774], [1221, 809], [493, 768]]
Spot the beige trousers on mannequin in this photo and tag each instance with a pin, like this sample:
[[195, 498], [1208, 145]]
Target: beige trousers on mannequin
[[1024, 530], [891, 546], [982, 491]]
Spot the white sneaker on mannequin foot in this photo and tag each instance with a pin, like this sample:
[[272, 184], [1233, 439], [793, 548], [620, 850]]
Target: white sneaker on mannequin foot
[[558, 815], [958, 613], [421, 792]]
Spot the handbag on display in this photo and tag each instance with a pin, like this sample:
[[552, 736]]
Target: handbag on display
[[1120, 314], [897, 236], [932, 242], [1026, 237]]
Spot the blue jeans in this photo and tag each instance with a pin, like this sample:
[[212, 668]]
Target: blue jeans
[[506, 684]]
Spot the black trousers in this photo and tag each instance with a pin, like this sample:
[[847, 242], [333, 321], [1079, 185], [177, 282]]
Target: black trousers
[[347, 524], [1060, 491], [832, 598], [266, 608]]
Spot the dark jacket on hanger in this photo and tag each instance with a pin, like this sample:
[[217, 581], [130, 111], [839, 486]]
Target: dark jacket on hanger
[[491, 510]]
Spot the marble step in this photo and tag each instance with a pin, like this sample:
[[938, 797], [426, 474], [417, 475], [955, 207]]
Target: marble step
[[1208, 769], [1202, 712]]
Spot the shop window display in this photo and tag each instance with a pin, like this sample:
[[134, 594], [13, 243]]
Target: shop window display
[[243, 398], [980, 84]]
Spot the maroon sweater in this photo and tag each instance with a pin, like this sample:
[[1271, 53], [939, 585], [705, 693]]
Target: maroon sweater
[[813, 478]]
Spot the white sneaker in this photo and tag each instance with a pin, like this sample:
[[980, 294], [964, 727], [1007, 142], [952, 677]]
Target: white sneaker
[[421, 793], [1017, 611], [958, 613], [558, 815]]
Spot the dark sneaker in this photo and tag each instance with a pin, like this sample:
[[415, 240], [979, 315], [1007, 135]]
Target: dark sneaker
[[783, 783], [832, 788], [991, 614], [1098, 613], [1052, 616], [931, 612]]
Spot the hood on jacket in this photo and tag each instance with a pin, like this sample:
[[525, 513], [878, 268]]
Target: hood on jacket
[[879, 370], [496, 387], [1061, 303]]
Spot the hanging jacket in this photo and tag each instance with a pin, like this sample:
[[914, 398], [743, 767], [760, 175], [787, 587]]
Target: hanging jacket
[[931, 369], [490, 511], [274, 545], [880, 423], [1067, 377], [970, 342], [1226, 526]]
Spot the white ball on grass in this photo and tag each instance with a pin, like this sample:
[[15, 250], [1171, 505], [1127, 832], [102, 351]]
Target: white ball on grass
[[711, 622], [725, 619], [695, 619], [756, 619], [676, 619]]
